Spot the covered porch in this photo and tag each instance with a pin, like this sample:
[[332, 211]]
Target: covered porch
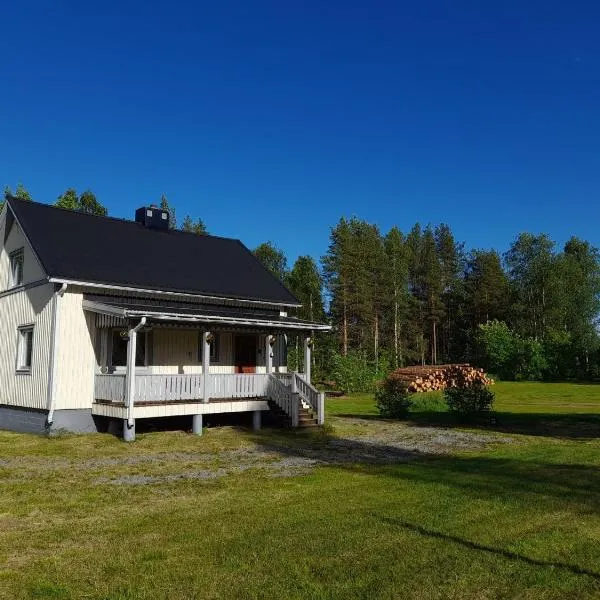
[[153, 362]]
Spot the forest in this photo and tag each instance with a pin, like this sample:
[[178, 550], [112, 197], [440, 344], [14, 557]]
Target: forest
[[419, 296]]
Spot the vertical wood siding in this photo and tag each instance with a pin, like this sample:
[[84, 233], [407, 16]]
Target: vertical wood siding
[[76, 359], [32, 271], [32, 306]]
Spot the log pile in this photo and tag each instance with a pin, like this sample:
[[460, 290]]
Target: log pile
[[439, 377]]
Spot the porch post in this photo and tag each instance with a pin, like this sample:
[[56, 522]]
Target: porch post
[[256, 418], [307, 358], [268, 353], [197, 424], [206, 337], [129, 423]]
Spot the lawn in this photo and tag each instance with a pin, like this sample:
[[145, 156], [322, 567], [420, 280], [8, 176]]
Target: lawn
[[364, 509]]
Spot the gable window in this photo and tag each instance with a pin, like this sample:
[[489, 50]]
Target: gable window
[[25, 349], [118, 354], [16, 268], [214, 347]]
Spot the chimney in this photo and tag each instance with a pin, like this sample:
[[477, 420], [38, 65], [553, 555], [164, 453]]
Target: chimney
[[153, 217]]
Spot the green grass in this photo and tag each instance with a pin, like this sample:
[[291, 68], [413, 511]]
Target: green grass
[[518, 517]]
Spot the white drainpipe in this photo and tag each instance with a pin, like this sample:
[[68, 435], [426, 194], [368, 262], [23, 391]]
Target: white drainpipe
[[53, 352], [131, 379]]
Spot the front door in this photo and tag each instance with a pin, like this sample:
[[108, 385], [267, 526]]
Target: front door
[[245, 353]]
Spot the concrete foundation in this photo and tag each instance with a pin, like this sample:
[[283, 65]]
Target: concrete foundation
[[29, 420]]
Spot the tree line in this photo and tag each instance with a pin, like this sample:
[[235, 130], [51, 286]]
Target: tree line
[[420, 297], [88, 203]]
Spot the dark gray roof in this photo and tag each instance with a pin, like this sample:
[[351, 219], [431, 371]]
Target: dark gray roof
[[81, 247], [179, 311]]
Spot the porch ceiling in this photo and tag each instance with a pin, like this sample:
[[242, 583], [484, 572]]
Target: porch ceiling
[[166, 313]]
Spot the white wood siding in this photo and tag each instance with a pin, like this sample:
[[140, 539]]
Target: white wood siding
[[32, 306], [32, 271], [76, 359], [175, 351]]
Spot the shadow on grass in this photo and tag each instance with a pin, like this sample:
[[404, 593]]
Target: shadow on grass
[[576, 426], [574, 569], [528, 482]]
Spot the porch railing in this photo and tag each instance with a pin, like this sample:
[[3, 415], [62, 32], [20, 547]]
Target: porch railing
[[310, 395], [174, 388], [286, 389], [283, 396]]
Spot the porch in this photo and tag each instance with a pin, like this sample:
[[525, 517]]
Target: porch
[[168, 395], [156, 361]]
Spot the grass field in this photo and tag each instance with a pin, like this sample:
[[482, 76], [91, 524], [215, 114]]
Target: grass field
[[364, 509]]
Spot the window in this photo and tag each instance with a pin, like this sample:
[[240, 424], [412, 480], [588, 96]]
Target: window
[[16, 268], [119, 348], [25, 349], [214, 348]]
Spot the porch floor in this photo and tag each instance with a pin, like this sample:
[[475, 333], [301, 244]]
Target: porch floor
[[190, 401], [172, 408]]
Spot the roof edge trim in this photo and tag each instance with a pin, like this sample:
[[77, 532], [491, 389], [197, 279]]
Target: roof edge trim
[[166, 293]]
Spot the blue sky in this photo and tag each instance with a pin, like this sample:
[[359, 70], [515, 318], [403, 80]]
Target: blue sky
[[270, 120]]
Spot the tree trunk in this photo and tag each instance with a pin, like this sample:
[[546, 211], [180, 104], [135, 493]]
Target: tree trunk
[[433, 342], [345, 331], [396, 330], [376, 341]]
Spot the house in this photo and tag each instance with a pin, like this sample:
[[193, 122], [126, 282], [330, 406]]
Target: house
[[105, 321]]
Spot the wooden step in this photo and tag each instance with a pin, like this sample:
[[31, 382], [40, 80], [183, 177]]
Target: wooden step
[[306, 419]]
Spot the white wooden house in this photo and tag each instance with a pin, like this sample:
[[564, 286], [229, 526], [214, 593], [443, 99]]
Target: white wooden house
[[104, 319]]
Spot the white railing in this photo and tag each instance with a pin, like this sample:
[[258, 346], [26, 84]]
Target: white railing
[[177, 388], [310, 395], [285, 389], [168, 388], [227, 385], [283, 396], [110, 388], [285, 378]]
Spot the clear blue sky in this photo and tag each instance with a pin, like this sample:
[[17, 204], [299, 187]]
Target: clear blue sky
[[270, 120]]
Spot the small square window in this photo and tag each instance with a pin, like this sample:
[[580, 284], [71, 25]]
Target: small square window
[[165, 216], [16, 268], [148, 213], [25, 349]]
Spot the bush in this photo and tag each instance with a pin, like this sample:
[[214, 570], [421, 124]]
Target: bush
[[353, 373], [392, 398], [468, 397]]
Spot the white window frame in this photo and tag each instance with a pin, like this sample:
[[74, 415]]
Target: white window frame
[[147, 340], [16, 268], [25, 335]]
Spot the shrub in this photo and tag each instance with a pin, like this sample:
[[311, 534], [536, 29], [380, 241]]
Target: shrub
[[353, 373], [392, 398], [468, 397]]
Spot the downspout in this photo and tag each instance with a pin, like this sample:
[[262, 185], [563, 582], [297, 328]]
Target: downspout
[[131, 376], [53, 352]]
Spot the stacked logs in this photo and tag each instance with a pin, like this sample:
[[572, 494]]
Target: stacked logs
[[439, 377]]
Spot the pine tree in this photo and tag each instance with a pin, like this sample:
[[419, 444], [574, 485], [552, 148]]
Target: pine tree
[[164, 204], [197, 227], [337, 269], [85, 203], [397, 288], [273, 259]]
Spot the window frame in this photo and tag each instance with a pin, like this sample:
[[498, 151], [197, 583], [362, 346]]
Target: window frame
[[144, 335], [16, 257], [24, 352]]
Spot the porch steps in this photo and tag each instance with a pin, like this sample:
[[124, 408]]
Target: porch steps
[[306, 419]]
